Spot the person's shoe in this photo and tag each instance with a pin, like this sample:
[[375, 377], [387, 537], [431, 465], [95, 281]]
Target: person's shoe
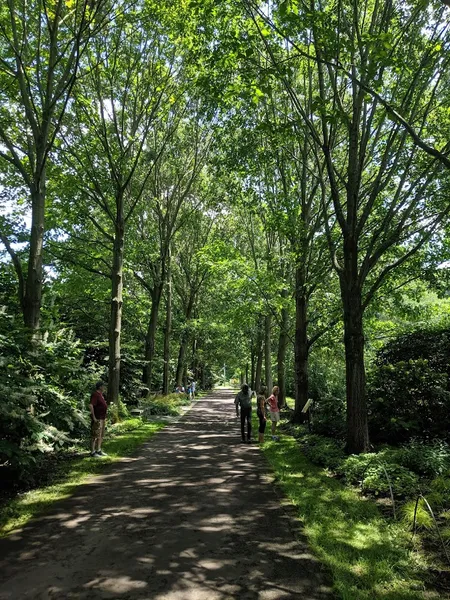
[[242, 441], [101, 453], [250, 441], [93, 454]]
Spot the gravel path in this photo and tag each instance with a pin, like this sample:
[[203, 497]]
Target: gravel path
[[193, 517]]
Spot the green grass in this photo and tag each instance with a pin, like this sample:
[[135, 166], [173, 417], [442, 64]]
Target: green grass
[[369, 557], [127, 437]]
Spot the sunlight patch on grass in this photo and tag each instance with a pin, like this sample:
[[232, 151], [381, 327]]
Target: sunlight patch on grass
[[20, 510], [369, 557]]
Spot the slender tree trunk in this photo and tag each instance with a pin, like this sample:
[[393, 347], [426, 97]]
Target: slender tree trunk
[[167, 329], [259, 359], [184, 342], [33, 285], [181, 359], [281, 356], [357, 425], [151, 333], [268, 353], [115, 328], [301, 346], [252, 367], [185, 376], [247, 373]]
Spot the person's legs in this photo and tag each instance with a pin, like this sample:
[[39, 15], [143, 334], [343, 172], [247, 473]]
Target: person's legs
[[101, 434], [95, 430], [249, 424], [243, 424], [275, 416], [262, 427]]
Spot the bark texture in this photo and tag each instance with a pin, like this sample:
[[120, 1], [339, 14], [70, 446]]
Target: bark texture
[[268, 353], [167, 330], [115, 328]]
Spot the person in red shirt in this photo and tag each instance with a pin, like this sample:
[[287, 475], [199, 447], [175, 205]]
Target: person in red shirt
[[98, 408]]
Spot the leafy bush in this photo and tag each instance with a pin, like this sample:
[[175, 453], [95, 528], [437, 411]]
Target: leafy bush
[[408, 392], [327, 389], [163, 405], [355, 467], [117, 413], [428, 459], [403, 481], [123, 427], [323, 451], [42, 407], [130, 369]]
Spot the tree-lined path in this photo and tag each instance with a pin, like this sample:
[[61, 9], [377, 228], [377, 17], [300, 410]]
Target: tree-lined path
[[193, 517]]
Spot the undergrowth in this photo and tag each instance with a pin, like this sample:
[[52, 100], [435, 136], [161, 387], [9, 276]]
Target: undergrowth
[[369, 557]]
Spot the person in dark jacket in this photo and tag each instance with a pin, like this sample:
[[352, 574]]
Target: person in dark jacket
[[243, 401]]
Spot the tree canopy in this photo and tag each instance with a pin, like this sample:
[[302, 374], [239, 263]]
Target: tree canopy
[[206, 190]]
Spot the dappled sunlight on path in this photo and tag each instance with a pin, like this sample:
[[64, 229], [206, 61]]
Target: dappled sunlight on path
[[193, 517]]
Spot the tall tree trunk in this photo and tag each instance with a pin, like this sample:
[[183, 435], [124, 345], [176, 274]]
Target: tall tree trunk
[[151, 333], [115, 328], [268, 353], [167, 329], [33, 285], [184, 341], [252, 367], [259, 358], [301, 346], [181, 359], [357, 424], [281, 356]]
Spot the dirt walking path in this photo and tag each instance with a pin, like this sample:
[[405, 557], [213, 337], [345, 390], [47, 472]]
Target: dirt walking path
[[193, 517]]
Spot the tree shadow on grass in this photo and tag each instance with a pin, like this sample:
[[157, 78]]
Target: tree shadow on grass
[[369, 557]]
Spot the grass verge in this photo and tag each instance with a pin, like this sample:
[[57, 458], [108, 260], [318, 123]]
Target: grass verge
[[127, 437], [369, 558]]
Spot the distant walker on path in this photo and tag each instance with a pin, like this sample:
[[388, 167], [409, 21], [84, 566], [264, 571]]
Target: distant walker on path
[[243, 401]]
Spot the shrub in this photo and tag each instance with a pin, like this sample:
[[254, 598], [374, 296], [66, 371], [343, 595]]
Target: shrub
[[41, 406], [117, 413], [355, 467], [123, 427], [439, 491], [403, 481], [163, 405], [408, 391], [327, 389], [428, 459], [323, 451]]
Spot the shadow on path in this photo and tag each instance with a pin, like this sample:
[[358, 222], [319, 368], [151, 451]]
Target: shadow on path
[[193, 517]]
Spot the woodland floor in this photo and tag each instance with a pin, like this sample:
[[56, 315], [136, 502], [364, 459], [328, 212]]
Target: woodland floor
[[194, 516]]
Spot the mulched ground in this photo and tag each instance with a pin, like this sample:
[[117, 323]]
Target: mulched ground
[[193, 517]]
